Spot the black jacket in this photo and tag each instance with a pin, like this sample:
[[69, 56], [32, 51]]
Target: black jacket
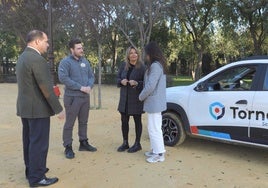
[[129, 102]]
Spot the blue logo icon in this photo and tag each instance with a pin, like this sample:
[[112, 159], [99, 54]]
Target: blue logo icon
[[217, 110]]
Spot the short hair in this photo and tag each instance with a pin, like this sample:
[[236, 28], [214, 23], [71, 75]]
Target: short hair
[[73, 42], [33, 35]]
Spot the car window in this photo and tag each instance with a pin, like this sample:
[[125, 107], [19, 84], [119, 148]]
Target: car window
[[233, 79], [265, 84]]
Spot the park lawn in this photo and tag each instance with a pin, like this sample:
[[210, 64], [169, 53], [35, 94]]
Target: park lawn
[[181, 80]]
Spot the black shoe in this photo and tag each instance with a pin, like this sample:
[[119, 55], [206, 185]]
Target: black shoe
[[84, 146], [47, 169], [123, 147], [136, 147], [45, 182], [26, 172], [69, 154]]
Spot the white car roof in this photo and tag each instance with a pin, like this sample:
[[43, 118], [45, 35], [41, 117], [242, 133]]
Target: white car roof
[[250, 60]]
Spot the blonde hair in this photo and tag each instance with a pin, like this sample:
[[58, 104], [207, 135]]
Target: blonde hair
[[138, 63]]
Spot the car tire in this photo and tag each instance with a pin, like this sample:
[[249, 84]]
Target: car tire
[[173, 131]]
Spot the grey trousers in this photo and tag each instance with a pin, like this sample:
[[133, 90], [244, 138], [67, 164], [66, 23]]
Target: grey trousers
[[75, 107]]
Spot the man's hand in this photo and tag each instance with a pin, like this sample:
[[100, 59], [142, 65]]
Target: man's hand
[[124, 82], [86, 89], [61, 115]]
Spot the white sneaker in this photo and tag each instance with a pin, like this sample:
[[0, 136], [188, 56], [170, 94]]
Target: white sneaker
[[156, 158], [149, 153]]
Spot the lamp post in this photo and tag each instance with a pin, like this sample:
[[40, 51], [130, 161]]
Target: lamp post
[[51, 52]]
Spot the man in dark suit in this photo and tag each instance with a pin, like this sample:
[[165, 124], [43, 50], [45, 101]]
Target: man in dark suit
[[36, 102]]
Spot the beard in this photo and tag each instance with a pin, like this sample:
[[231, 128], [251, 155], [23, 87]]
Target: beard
[[78, 54]]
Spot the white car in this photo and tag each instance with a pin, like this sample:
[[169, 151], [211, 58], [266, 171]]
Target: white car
[[229, 104]]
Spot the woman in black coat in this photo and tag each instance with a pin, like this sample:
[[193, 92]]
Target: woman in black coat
[[130, 81]]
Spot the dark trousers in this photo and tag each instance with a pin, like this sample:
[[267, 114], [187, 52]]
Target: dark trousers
[[125, 126], [35, 137], [75, 107]]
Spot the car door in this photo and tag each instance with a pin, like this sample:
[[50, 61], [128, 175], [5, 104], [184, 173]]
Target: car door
[[221, 109], [259, 119]]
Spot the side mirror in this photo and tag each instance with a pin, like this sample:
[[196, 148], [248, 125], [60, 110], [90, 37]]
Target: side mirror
[[202, 86]]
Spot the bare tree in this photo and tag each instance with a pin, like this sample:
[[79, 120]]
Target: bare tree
[[97, 23], [136, 16]]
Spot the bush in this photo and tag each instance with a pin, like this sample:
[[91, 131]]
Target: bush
[[110, 79], [107, 78]]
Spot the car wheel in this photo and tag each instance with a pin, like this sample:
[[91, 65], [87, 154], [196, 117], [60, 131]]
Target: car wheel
[[173, 131]]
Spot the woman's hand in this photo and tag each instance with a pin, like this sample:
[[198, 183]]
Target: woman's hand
[[124, 82], [133, 83]]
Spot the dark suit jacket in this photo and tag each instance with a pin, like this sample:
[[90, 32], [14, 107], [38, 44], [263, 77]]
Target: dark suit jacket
[[36, 98], [129, 97]]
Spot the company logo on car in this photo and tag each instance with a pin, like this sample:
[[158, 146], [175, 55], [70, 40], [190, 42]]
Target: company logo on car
[[217, 110]]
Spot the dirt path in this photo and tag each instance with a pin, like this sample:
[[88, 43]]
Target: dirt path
[[196, 163]]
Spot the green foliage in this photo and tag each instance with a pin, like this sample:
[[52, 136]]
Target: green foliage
[[245, 18], [226, 29], [8, 48]]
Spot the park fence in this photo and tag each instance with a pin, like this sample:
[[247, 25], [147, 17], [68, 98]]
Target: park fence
[[8, 75], [8, 72]]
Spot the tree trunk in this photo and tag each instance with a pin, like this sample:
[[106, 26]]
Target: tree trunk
[[198, 69], [257, 47], [114, 49], [99, 74], [257, 33], [256, 41]]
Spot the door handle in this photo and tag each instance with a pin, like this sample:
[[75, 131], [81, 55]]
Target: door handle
[[242, 102]]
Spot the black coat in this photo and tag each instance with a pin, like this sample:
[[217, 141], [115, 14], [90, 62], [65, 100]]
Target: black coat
[[129, 102]]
